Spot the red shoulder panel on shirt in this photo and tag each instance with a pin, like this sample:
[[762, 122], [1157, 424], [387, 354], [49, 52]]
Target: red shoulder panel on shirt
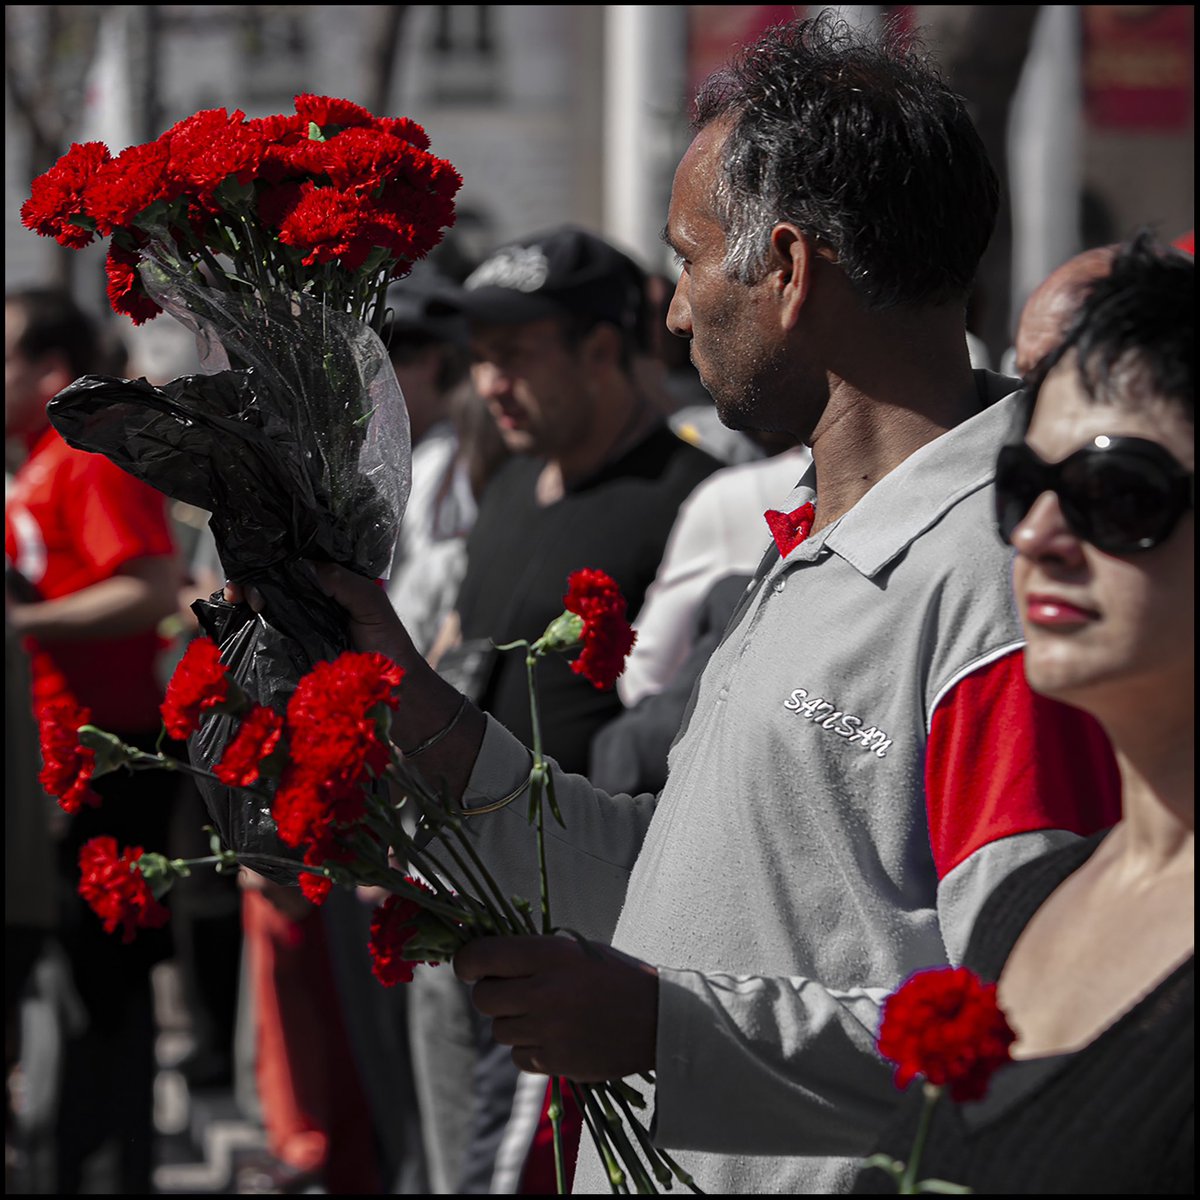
[[1003, 760]]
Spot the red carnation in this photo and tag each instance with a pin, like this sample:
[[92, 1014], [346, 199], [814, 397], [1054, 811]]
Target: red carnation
[[256, 740], [118, 892], [58, 196], [393, 926], [316, 888], [200, 683], [128, 184], [607, 637], [364, 159], [126, 292], [326, 112], [404, 129], [210, 147], [336, 746], [946, 1026], [324, 223], [66, 765]]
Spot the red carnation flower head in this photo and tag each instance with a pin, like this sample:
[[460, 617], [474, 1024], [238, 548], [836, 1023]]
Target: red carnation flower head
[[253, 746], [126, 291], [362, 160], [315, 888], [328, 113], [945, 1026], [66, 765], [59, 196], [210, 147], [607, 636], [200, 684], [301, 808], [323, 224], [127, 185], [393, 926], [404, 129], [334, 717], [116, 890], [337, 739]]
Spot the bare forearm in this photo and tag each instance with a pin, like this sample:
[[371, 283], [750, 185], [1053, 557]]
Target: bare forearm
[[117, 607]]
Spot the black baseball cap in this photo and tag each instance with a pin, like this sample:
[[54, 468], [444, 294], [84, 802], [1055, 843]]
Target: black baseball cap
[[564, 271], [423, 304]]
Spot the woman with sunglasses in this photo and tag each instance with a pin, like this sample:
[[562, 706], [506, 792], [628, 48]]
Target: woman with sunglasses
[[1093, 945]]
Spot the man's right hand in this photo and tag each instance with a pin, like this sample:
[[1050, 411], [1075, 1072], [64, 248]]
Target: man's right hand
[[374, 625]]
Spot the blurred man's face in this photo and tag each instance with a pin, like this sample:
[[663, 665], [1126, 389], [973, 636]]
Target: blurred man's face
[[25, 395], [532, 382]]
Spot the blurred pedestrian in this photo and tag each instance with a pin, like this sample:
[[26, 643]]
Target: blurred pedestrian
[[91, 571]]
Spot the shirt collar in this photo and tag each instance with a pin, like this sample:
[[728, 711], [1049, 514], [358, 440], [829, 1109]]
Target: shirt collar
[[921, 490]]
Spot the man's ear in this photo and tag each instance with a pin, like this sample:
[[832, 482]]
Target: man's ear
[[794, 257], [791, 257]]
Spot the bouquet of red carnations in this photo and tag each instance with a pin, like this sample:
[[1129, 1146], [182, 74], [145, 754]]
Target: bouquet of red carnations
[[318, 765], [274, 241]]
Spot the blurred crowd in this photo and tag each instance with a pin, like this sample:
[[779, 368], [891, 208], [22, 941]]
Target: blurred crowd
[[555, 425]]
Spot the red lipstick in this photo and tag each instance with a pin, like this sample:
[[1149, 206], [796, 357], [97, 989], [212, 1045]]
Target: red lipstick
[[1056, 612]]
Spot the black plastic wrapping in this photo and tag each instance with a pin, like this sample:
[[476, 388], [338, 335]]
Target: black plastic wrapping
[[298, 446]]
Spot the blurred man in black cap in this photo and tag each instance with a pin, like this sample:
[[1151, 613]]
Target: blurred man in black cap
[[596, 481]]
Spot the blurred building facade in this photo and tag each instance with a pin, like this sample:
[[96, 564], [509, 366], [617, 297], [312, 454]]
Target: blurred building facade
[[579, 112]]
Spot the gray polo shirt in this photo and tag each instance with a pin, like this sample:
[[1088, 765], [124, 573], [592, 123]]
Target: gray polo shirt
[[784, 882]]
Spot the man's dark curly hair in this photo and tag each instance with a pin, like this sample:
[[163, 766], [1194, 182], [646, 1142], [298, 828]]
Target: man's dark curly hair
[[853, 136], [1134, 334]]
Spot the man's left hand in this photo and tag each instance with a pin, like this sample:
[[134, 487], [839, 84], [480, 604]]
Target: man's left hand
[[587, 1012]]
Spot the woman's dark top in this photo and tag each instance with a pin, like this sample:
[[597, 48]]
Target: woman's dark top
[[1115, 1117]]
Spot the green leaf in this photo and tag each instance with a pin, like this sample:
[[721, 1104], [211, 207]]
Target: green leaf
[[314, 132], [158, 873], [111, 753], [944, 1188], [562, 633], [886, 1163]]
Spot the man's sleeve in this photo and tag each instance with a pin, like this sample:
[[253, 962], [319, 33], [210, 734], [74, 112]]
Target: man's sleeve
[[588, 860], [788, 1066], [118, 518], [1009, 775]]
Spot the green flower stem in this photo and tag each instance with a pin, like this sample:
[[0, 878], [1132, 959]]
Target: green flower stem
[[556, 1113], [537, 787], [518, 926], [415, 787], [680, 1174], [637, 1170], [142, 760], [616, 1177], [661, 1171], [908, 1181], [537, 782]]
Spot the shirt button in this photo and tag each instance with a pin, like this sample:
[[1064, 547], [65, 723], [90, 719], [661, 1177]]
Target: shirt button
[[779, 585]]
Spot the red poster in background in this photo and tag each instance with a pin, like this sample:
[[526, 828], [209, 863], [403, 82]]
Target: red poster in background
[[1138, 61], [715, 31]]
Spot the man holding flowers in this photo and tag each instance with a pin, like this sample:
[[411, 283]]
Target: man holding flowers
[[862, 760]]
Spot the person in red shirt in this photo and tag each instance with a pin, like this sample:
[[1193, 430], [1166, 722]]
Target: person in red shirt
[[90, 571]]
